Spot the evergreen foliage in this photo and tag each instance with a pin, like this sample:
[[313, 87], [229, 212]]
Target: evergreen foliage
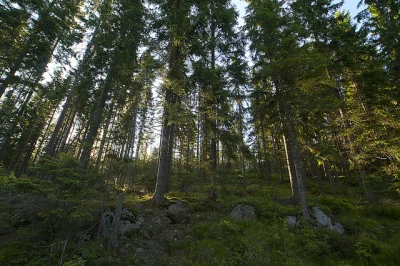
[[165, 100]]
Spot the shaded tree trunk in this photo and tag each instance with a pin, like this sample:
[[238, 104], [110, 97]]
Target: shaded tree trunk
[[95, 121], [50, 148], [291, 170], [113, 241], [328, 174]]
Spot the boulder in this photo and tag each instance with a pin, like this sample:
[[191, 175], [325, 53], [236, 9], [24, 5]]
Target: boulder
[[326, 221], [129, 222], [243, 212], [291, 221], [320, 220], [179, 212], [106, 223]]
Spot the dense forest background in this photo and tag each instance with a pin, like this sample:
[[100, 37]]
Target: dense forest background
[[140, 99]]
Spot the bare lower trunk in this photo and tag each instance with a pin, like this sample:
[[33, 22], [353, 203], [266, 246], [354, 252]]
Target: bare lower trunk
[[297, 165], [113, 241], [103, 139], [170, 158], [95, 121], [328, 174], [291, 170], [39, 148], [162, 177], [293, 150]]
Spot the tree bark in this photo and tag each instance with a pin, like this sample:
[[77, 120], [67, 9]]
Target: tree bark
[[328, 174], [291, 170], [50, 149], [113, 242], [96, 119], [162, 177]]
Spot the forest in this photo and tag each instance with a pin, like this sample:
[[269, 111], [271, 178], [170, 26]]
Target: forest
[[179, 132]]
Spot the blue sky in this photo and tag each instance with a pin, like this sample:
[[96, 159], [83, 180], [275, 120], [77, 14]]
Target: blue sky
[[349, 5]]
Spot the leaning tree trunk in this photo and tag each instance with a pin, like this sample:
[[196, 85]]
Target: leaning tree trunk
[[25, 50], [103, 139], [291, 170], [50, 148], [291, 137], [95, 122], [292, 144]]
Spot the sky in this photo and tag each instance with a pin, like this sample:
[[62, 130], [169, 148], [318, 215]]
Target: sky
[[349, 5]]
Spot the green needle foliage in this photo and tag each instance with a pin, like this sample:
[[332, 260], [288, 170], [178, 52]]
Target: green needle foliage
[[294, 105]]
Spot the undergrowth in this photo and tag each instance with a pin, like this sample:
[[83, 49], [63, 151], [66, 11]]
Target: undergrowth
[[59, 210]]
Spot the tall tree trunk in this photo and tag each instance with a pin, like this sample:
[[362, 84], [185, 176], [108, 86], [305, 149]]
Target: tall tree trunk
[[198, 148], [28, 154], [104, 137], [187, 153], [45, 134], [170, 157], [267, 166], [50, 148], [82, 137], [317, 171], [291, 137], [328, 174], [22, 151], [19, 61], [95, 121], [291, 170], [60, 147], [6, 142], [162, 177], [214, 109], [293, 150]]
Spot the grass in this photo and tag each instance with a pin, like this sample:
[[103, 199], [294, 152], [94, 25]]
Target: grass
[[372, 231]]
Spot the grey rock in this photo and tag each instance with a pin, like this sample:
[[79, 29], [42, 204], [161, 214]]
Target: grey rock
[[106, 223], [326, 221], [179, 212], [129, 222], [243, 212], [291, 221]]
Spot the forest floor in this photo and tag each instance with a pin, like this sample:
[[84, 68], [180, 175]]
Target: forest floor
[[209, 236]]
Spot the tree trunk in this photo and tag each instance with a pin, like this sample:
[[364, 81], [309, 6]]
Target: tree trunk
[[266, 163], [60, 147], [50, 149], [113, 242], [292, 147], [26, 47], [328, 174], [95, 122], [318, 175], [162, 177], [291, 170], [43, 137], [103, 139], [170, 158], [297, 164]]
